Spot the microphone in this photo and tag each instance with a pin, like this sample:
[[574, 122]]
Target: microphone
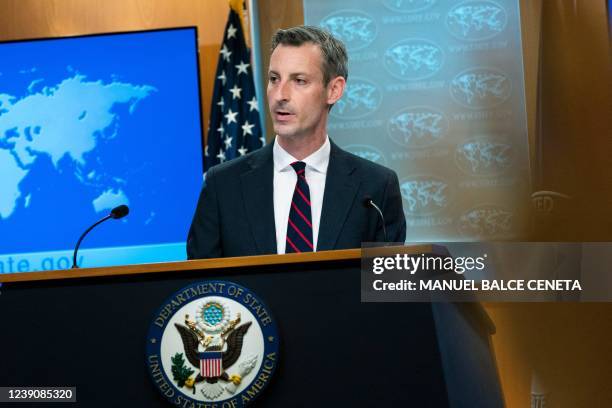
[[369, 203], [116, 213], [119, 212]]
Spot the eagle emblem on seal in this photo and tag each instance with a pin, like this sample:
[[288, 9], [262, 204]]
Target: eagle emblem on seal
[[212, 344]]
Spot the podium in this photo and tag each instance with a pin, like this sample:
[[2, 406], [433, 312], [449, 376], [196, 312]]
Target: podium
[[87, 328]]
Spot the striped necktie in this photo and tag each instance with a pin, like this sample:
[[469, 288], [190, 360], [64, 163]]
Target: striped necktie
[[299, 227]]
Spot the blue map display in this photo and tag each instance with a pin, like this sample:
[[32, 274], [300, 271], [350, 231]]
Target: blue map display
[[89, 123]]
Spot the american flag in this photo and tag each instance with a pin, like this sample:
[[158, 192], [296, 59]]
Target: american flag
[[234, 128], [211, 364]]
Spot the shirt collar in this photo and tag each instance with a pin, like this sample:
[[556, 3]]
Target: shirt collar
[[317, 161]]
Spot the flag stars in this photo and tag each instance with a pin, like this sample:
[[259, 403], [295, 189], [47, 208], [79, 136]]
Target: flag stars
[[236, 92], [226, 53], [253, 104], [231, 31], [247, 128], [221, 156], [234, 102], [222, 77], [231, 116], [228, 142], [242, 68]]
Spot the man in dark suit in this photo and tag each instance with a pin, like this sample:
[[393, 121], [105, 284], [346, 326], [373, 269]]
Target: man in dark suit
[[300, 193]]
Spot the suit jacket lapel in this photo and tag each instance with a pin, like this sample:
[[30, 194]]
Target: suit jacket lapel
[[340, 189], [258, 198]]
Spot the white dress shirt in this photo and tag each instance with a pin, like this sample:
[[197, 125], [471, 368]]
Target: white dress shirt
[[284, 185]]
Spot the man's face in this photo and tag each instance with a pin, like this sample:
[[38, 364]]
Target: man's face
[[296, 94]]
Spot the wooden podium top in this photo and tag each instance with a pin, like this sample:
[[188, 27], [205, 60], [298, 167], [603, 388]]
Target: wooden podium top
[[214, 263]]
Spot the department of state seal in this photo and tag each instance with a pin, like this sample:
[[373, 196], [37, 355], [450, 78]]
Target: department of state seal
[[212, 342]]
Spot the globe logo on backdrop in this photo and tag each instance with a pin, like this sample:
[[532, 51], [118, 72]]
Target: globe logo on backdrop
[[424, 195], [361, 97], [355, 28], [480, 88], [484, 157], [413, 59], [417, 127], [409, 6], [476, 20], [486, 221], [367, 152]]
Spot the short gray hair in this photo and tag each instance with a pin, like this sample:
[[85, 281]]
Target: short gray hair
[[335, 58]]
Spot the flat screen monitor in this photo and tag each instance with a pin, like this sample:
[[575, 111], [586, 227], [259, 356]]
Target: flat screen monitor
[[91, 122]]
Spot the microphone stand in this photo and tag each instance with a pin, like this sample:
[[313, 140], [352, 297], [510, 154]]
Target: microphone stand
[[76, 249], [368, 202]]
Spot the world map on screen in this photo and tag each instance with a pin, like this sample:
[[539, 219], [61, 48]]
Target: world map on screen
[[91, 122], [71, 119]]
